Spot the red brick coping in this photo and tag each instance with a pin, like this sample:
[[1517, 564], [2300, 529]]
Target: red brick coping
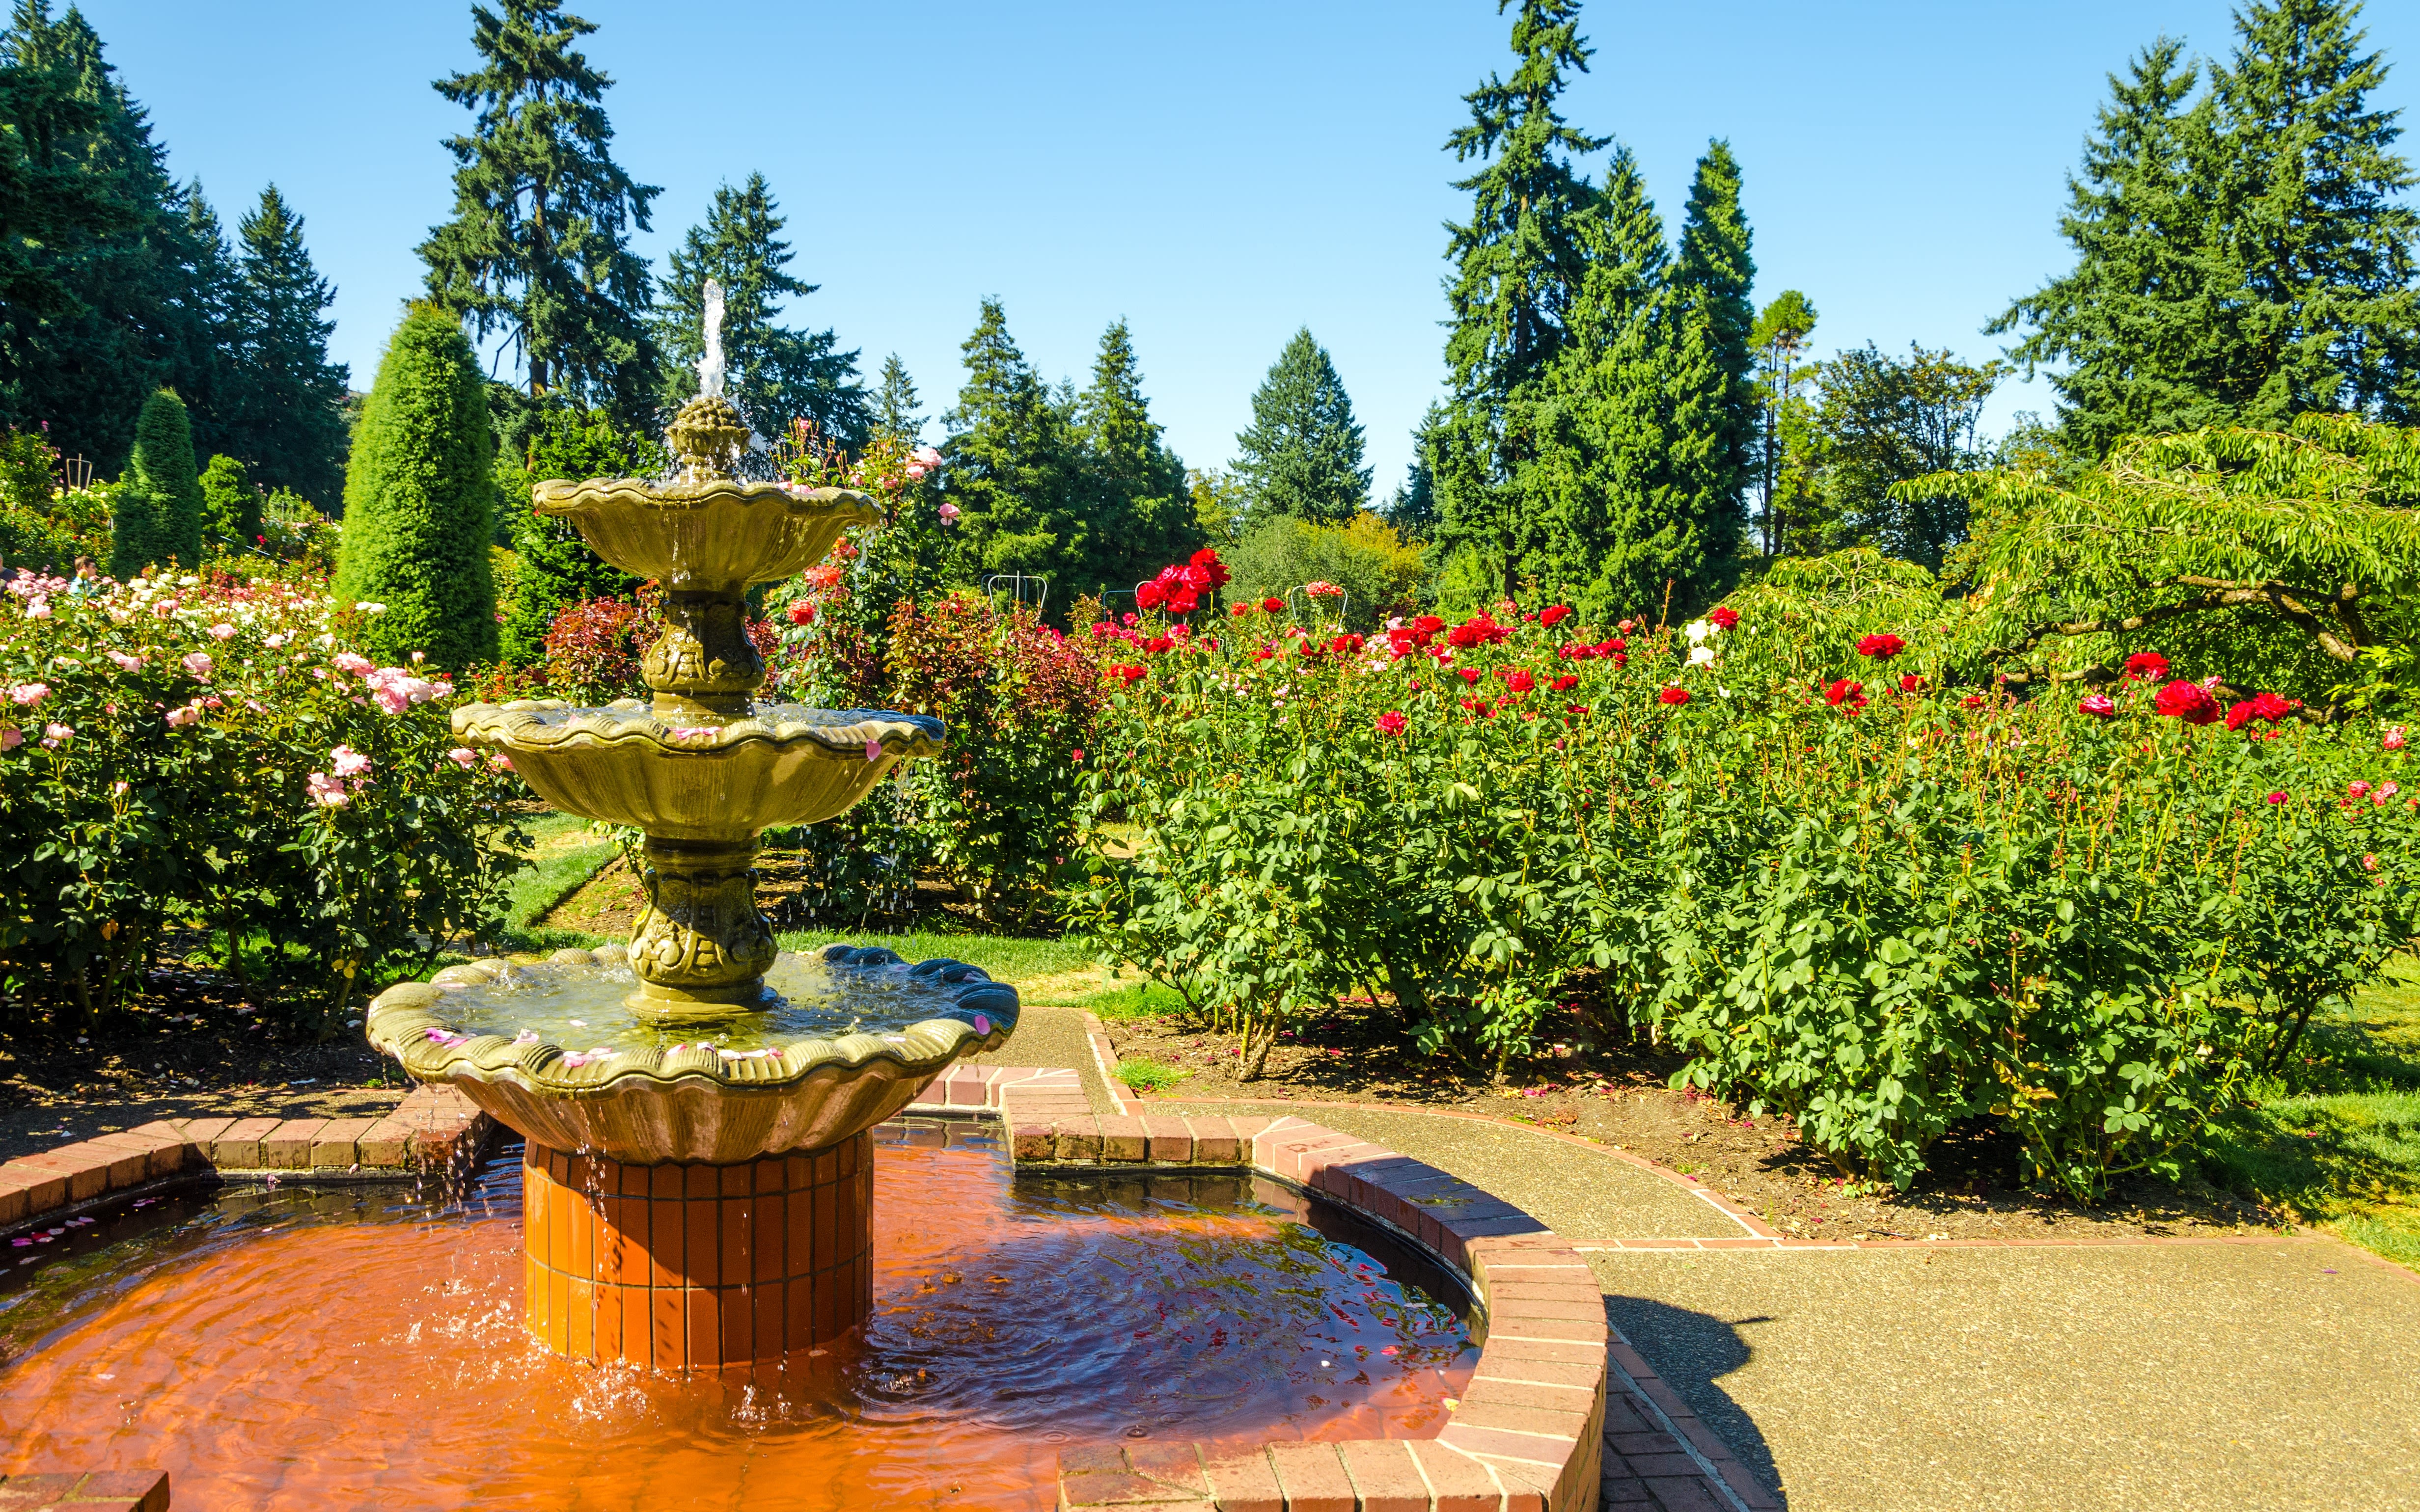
[[1529, 1433], [434, 1128], [98, 1490]]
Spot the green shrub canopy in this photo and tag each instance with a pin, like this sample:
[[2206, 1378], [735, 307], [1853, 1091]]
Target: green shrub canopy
[[159, 514], [420, 499]]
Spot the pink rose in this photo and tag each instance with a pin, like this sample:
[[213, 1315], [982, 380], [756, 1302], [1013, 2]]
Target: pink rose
[[2392, 739], [463, 757], [184, 715], [25, 693], [2100, 705], [221, 631], [326, 791], [949, 514], [354, 662], [125, 662], [197, 663], [11, 737], [501, 762], [928, 456], [349, 761]]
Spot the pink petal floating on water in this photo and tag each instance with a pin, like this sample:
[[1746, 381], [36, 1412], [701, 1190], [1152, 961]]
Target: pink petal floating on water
[[874, 751]]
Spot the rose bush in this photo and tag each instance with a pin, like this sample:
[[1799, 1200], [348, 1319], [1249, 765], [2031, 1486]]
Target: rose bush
[[1887, 908], [212, 756]]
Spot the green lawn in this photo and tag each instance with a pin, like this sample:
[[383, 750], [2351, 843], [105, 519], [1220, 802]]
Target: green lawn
[[1010, 959], [2344, 1152], [566, 855]]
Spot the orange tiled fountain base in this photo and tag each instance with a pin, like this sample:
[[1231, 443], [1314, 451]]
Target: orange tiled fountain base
[[697, 1267]]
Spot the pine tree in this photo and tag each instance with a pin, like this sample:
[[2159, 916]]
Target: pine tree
[[1518, 264], [1710, 282], [1014, 468], [1612, 530], [775, 374], [2133, 322], [1141, 507], [1413, 510], [157, 515], [289, 423], [539, 246], [420, 499], [199, 326], [2242, 257], [2314, 241], [896, 413], [1302, 456], [93, 335], [556, 567]]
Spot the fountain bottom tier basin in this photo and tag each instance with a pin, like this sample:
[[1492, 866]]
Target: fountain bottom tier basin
[[360, 1346]]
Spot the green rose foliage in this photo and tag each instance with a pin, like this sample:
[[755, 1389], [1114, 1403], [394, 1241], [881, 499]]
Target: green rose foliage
[[172, 765], [1887, 909]]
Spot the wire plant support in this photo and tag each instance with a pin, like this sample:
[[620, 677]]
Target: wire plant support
[[1017, 583]]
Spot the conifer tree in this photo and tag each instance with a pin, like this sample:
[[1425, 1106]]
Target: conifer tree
[[91, 333], [289, 421], [538, 245], [1413, 510], [1143, 515], [776, 374], [1302, 456], [230, 505], [2133, 321], [896, 413], [1884, 421], [200, 329], [556, 567], [1518, 263], [420, 499], [1711, 283], [1014, 468], [160, 471], [2241, 257]]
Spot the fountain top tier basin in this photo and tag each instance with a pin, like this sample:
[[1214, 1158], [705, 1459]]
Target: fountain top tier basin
[[706, 534], [843, 1039]]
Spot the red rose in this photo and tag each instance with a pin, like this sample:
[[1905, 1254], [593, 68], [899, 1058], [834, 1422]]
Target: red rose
[[2273, 707], [2147, 666], [1390, 723], [1674, 695], [802, 614], [1272, 605], [1724, 617], [1239, 610], [1910, 682], [1880, 645], [1565, 683], [1519, 681], [1150, 595], [1554, 615], [1207, 559], [1158, 645], [1846, 694], [2189, 702], [1427, 624], [1468, 674]]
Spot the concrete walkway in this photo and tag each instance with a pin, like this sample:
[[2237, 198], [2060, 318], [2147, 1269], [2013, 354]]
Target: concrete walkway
[[2266, 1374]]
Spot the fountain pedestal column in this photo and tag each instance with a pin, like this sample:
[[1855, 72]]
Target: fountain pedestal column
[[698, 1267]]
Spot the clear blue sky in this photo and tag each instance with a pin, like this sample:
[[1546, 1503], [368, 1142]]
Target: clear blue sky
[[1219, 174]]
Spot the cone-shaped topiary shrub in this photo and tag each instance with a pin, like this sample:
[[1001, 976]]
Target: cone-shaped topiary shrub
[[420, 499], [156, 516]]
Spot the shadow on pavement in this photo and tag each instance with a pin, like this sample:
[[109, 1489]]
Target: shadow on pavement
[[1692, 1351]]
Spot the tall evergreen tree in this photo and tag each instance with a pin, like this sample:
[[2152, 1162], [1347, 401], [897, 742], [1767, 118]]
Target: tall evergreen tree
[[420, 499], [1142, 509], [230, 505], [2314, 239], [539, 246], [1302, 456], [1014, 468], [555, 565], [200, 326], [894, 411], [289, 421], [1413, 510], [93, 315], [776, 374], [2241, 257], [156, 516], [2133, 321], [1711, 283], [1518, 263], [1613, 529]]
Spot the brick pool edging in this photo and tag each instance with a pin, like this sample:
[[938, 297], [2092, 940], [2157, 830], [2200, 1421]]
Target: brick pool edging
[[432, 1129], [1526, 1436]]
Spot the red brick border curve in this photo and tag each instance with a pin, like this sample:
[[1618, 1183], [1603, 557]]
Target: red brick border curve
[[1528, 1435]]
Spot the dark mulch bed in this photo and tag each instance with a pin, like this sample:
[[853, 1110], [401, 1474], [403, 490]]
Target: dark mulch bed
[[1619, 1098], [197, 1044]]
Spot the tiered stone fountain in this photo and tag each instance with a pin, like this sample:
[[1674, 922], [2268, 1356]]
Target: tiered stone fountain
[[698, 1171]]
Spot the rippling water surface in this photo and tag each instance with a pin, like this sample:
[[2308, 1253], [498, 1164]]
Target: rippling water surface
[[363, 1347]]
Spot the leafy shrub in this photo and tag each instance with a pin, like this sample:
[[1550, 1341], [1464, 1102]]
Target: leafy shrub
[[211, 755], [1886, 908], [1379, 573]]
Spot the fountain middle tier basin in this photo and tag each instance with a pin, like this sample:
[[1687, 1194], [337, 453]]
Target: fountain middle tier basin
[[783, 764], [843, 1039]]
